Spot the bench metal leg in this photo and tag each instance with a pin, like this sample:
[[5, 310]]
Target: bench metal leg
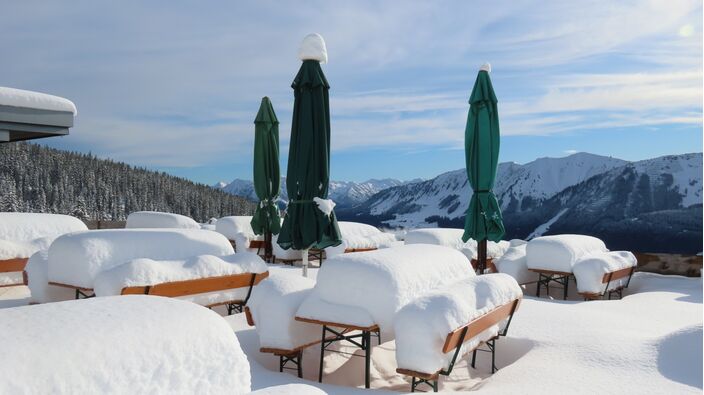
[[416, 381], [234, 308], [82, 295], [295, 359], [365, 345], [546, 279]]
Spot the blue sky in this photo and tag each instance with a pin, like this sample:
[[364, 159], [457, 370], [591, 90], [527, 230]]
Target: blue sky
[[175, 85]]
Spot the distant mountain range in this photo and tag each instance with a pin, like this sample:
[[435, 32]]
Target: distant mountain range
[[345, 194]]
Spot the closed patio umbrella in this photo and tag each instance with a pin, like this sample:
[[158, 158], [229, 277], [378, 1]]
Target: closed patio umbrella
[[266, 173], [483, 220], [310, 220]]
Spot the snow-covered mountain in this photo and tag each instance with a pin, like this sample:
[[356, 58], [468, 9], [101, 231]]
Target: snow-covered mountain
[[581, 193], [344, 193]]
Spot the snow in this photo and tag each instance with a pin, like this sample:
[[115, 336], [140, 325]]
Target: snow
[[126, 344], [145, 271], [485, 67], [76, 259], [298, 389], [21, 98], [370, 287], [38, 281], [273, 306], [541, 229], [560, 252], [357, 235], [313, 48], [22, 234], [280, 253], [155, 219], [439, 236], [238, 229], [589, 270], [422, 326], [324, 205], [514, 263]]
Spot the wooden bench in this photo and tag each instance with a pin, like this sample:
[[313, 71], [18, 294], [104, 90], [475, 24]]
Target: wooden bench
[[14, 265], [338, 332], [607, 279], [456, 339], [545, 277]]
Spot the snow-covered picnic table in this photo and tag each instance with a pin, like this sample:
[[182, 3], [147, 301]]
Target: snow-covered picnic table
[[156, 219]]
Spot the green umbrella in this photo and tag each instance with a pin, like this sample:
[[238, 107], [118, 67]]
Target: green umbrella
[[266, 173], [305, 224], [483, 220]]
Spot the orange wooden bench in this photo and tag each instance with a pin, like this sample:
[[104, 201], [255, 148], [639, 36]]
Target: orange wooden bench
[[14, 265], [607, 279], [459, 336]]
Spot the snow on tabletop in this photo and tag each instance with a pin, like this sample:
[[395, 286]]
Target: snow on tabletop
[[155, 219], [589, 270], [560, 252], [273, 306], [76, 259], [289, 389], [513, 263], [145, 271], [21, 98], [125, 344], [22, 249], [356, 235], [422, 325], [439, 236], [370, 287], [238, 229], [22, 234], [38, 281]]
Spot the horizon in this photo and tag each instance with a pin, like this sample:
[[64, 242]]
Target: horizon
[[162, 89]]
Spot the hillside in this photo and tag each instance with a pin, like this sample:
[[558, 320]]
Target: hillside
[[39, 179]]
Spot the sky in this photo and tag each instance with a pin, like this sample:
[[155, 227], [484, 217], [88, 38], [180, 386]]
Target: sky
[[175, 85]]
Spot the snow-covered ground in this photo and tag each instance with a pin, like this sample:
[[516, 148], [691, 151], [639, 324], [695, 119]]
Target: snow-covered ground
[[650, 342]]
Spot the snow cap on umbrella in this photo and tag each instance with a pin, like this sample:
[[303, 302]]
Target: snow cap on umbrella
[[313, 48], [486, 67]]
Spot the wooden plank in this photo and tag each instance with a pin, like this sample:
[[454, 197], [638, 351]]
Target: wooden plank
[[13, 265], [479, 325], [257, 244], [248, 314], [425, 376], [197, 286], [617, 274], [350, 250], [372, 328]]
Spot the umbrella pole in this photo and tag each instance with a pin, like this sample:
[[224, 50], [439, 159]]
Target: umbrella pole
[[481, 267], [305, 262]]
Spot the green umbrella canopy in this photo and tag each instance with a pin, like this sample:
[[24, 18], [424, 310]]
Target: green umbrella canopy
[[483, 220], [266, 169], [308, 176]]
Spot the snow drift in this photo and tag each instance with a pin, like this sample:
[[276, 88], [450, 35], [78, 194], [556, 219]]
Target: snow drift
[[422, 326], [156, 219], [273, 306], [238, 229], [560, 252], [23, 234], [589, 270], [76, 259], [369, 288], [126, 344], [356, 235]]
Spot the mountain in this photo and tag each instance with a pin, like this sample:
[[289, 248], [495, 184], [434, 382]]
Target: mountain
[[343, 193], [34, 178], [652, 205]]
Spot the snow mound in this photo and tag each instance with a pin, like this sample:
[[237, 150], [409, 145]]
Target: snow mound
[[313, 48], [280, 253], [439, 236], [356, 235], [494, 250], [76, 259], [273, 306], [155, 219], [369, 288], [38, 281], [560, 252], [23, 234], [238, 229], [126, 344], [21, 98], [514, 263], [145, 271], [423, 325], [288, 389], [589, 270]]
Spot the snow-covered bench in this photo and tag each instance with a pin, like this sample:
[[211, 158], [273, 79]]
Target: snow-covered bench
[[206, 279], [553, 257], [238, 229], [514, 263], [23, 234], [130, 344], [603, 273], [363, 292], [272, 308], [436, 329], [156, 219], [74, 260]]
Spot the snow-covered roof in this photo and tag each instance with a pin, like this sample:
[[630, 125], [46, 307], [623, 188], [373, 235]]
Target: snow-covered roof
[[26, 115], [41, 101]]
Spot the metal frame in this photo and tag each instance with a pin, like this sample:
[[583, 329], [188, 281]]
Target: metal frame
[[491, 347], [618, 290], [82, 295], [238, 306], [365, 345], [294, 359], [546, 279], [318, 254]]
